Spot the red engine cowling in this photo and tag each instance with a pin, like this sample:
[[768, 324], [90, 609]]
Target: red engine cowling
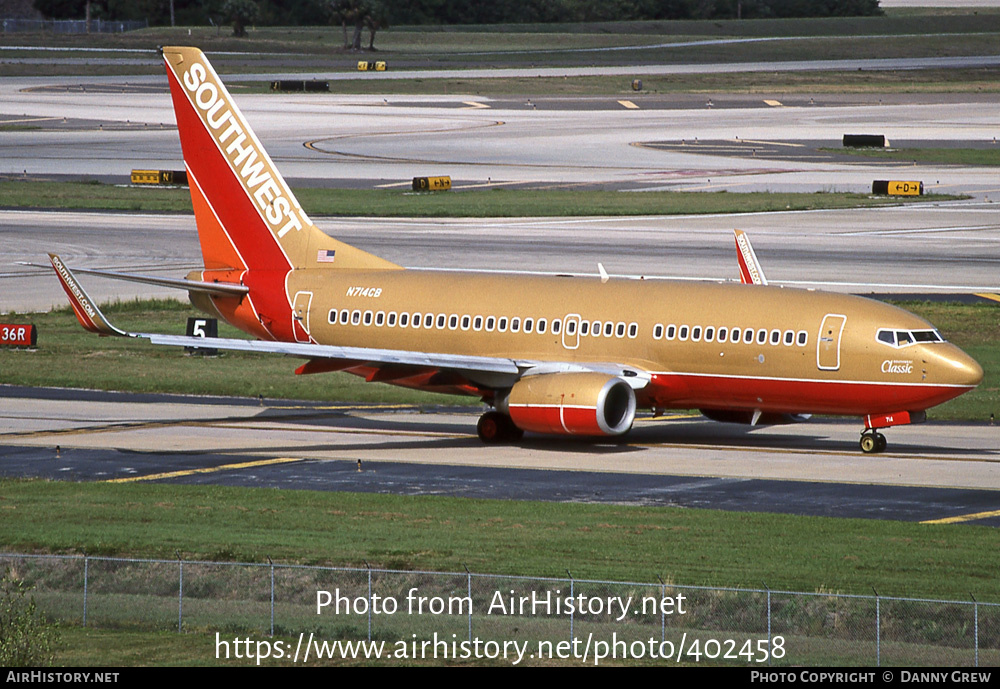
[[571, 403]]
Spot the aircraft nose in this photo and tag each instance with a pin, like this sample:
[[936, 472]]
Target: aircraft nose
[[962, 369]]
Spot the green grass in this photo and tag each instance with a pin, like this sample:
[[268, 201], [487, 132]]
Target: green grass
[[499, 202], [605, 542], [989, 157]]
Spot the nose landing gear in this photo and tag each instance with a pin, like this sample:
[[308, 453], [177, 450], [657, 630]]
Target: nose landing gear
[[872, 441]]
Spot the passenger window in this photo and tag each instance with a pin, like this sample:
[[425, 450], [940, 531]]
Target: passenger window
[[491, 323], [620, 330], [723, 334], [683, 333], [596, 329], [515, 324], [380, 318], [368, 317], [540, 326], [671, 331], [658, 331], [709, 334], [345, 316], [477, 323], [356, 318], [696, 333], [502, 324], [442, 319], [528, 324], [584, 327], [734, 336], [775, 337], [452, 321], [789, 338], [416, 320], [429, 320], [557, 326], [404, 320], [761, 336], [333, 317], [392, 319], [633, 330], [803, 338], [465, 322], [748, 336], [609, 329]]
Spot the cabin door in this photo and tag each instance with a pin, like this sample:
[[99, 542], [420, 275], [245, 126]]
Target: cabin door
[[300, 316], [828, 342]]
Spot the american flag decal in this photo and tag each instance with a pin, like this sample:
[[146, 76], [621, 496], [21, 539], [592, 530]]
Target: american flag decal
[[325, 255]]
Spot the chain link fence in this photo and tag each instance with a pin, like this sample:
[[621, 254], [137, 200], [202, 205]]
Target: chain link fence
[[721, 625], [72, 25]]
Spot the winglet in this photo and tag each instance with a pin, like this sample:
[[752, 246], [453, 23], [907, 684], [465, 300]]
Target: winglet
[[86, 310], [750, 271]]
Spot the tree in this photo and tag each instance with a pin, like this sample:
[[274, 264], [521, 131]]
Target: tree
[[25, 639], [372, 15], [240, 13]]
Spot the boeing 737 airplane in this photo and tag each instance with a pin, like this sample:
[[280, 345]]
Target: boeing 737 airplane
[[556, 355]]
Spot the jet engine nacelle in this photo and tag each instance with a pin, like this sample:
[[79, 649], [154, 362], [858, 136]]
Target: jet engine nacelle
[[582, 403]]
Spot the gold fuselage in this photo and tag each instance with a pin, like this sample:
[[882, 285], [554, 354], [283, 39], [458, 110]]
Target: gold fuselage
[[656, 326]]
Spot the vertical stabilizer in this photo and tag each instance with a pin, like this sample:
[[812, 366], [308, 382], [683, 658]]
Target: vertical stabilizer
[[750, 271], [248, 219]]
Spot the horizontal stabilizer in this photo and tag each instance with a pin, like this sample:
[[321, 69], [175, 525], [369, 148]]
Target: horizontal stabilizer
[[218, 288]]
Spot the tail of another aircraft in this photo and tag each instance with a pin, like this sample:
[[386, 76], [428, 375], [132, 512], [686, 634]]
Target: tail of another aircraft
[[247, 217]]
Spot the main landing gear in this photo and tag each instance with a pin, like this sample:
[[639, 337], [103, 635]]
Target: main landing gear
[[494, 428], [872, 441]]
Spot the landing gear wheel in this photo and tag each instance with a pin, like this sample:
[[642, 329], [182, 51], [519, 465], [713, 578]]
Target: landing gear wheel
[[872, 442], [494, 427], [489, 427], [868, 443]]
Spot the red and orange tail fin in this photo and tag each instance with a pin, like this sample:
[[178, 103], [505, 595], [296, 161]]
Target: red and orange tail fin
[[247, 217]]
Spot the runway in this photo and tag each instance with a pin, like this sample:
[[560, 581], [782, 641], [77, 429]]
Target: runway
[[931, 473], [950, 248]]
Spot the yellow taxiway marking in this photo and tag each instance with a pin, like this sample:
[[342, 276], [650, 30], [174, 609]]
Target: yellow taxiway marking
[[963, 518], [628, 104], [994, 297], [774, 103], [205, 470], [474, 104]]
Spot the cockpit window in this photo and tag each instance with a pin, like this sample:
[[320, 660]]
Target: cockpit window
[[904, 338], [927, 336]]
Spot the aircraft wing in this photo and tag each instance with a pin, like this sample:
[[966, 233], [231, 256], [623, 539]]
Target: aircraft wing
[[501, 371]]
